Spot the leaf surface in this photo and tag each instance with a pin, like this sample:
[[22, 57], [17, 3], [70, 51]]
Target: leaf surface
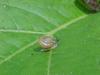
[[22, 22]]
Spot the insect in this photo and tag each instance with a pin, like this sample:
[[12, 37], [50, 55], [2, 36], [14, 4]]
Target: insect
[[47, 42], [93, 5]]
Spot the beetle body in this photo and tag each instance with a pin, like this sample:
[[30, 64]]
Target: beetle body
[[93, 5]]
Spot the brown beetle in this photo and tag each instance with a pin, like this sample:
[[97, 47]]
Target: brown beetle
[[92, 4], [47, 42]]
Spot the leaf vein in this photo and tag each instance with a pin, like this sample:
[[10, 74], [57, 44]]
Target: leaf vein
[[56, 30], [18, 51], [21, 31], [31, 44]]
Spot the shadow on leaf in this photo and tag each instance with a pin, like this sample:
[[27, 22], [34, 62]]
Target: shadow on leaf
[[82, 6]]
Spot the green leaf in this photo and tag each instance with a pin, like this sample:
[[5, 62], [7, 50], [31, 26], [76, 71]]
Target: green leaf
[[22, 22]]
